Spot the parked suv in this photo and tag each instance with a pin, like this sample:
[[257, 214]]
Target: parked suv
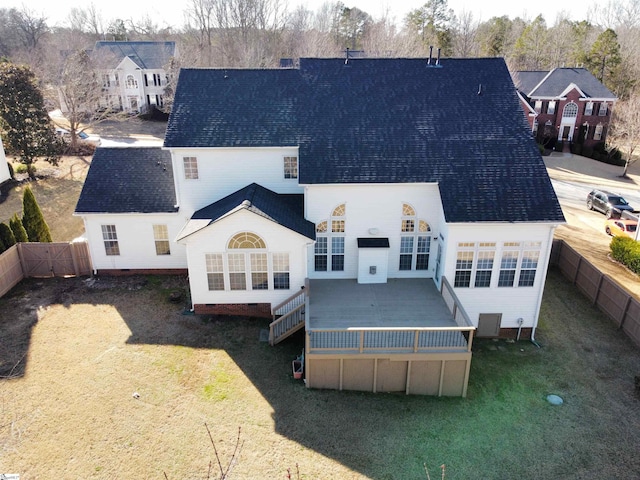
[[611, 204]]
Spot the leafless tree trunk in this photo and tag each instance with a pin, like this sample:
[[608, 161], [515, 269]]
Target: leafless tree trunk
[[624, 132]]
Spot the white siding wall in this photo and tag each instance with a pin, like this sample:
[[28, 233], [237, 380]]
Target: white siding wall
[[4, 169], [374, 206], [222, 171], [512, 302], [215, 238], [135, 240]]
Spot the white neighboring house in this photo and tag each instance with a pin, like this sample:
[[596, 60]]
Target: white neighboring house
[[366, 174], [5, 174], [134, 78]]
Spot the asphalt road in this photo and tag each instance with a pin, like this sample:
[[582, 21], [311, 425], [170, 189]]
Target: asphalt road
[[573, 177]]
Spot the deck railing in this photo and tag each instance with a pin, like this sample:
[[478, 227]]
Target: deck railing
[[455, 307], [392, 340], [398, 340], [288, 316]]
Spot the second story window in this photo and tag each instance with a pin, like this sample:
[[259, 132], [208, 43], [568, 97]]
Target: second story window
[[290, 167], [131, 82], [551, 107], [570, 110], [190, 168], [538, 106], [588, 108], [603, 109]]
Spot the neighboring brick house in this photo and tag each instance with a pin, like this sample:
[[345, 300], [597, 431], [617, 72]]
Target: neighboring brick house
[[134, 76], [565, 104]]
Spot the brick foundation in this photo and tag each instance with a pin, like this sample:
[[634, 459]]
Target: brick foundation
[[262, 310], [525, 333], [143, 271]]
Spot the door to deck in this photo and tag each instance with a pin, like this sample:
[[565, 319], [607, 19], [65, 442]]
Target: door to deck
[[373, 260]]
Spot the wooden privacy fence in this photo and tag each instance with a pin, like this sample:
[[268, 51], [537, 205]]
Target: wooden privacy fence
[[43, 260], [603, 291]]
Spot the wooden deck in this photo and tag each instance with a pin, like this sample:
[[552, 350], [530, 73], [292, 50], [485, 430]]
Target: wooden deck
[[399, 303]]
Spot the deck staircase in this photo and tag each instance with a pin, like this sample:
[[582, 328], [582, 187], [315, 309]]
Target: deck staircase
[[288, 316]]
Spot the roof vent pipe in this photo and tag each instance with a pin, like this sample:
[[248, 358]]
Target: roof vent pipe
[[430, 55], [438, 60], [480, 89], [346, 60]]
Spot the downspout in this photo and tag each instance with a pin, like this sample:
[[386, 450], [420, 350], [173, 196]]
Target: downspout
[[541, 292]]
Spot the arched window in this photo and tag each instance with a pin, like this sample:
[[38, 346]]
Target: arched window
[[415, 241], [131, 82], [246, 240], [329, 248], [247, 265], [570, 110]]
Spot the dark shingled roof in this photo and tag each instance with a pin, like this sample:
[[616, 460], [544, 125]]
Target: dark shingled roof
[[147, 55], [129, 180], [555, 82], [459, 124], [285, 210]]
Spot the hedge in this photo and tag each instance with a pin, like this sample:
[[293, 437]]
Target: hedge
[[626, 251]]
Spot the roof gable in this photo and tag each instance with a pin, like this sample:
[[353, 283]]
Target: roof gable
[[557, 82], [458, 124], [285, 210], [147, 55], [128, 180]]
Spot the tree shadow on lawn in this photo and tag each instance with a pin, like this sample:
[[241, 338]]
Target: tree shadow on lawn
[[504, 429]]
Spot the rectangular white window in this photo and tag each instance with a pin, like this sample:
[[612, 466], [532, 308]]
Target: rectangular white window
[[509, 264], [484, 268], [237, 271], [190, 168], [106, 80], [290, 167], [406, 253], [215, 271], [259, 272], [528, 268], [422, 252], [321, 252], [538, 106], [597, 134], [280, 271], [603, 109], [464, 265], [551, 107], [588, 108], [337, 254], [161, 238], [110, 238]]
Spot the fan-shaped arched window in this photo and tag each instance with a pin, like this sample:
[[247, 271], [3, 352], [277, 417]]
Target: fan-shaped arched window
[[246, 240]]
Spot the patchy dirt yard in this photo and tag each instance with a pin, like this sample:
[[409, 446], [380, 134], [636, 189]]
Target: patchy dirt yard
[[105, 378]]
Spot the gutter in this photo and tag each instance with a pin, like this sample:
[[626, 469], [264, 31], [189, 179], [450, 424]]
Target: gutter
[[541, 292]]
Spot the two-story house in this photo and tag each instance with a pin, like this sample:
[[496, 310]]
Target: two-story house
[[359, 200], [566, 104], [134, 75]]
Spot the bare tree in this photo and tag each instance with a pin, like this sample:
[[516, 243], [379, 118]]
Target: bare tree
[[624, 132], [465, 32], [30, 26], [86, 20]]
